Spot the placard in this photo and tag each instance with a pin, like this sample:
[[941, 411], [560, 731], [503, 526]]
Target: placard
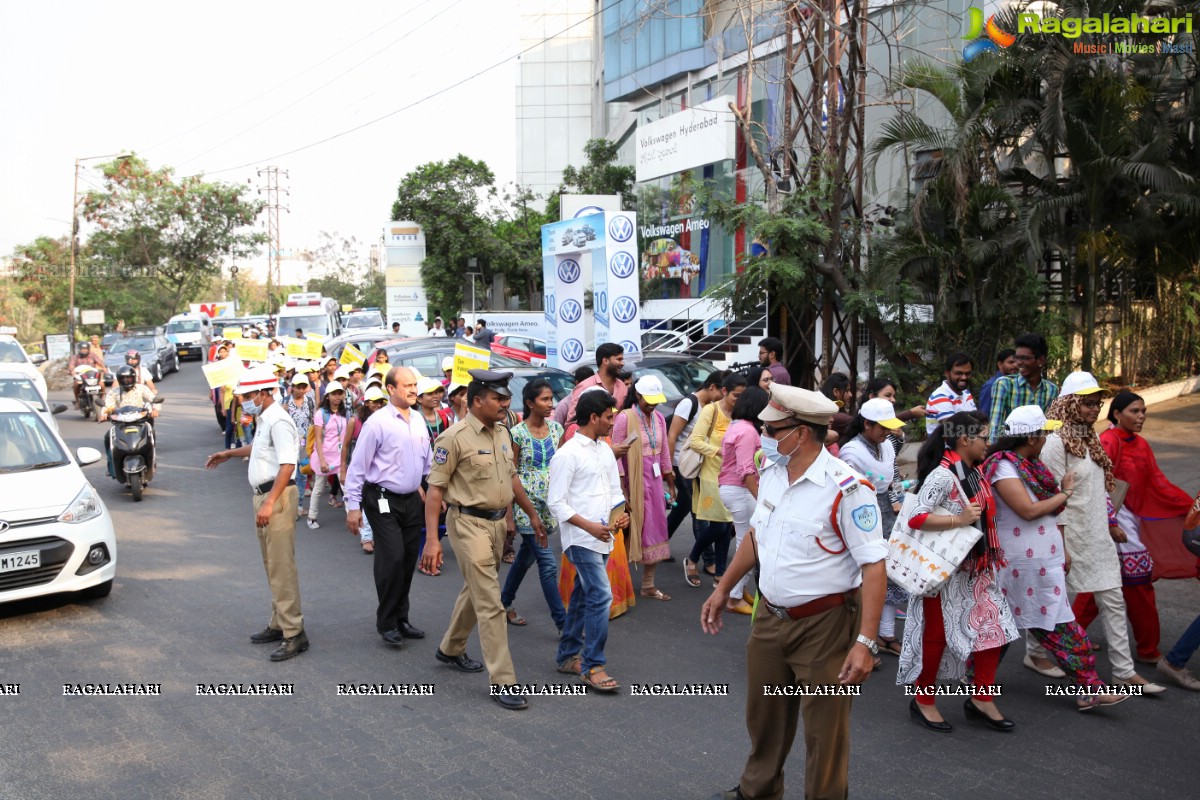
[[222, 373], [315, 343], [352, 356], [231, 332], [468, 357], [252, 350], [295, 348]]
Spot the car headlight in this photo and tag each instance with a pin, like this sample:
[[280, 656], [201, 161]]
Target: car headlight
[[85, 506]]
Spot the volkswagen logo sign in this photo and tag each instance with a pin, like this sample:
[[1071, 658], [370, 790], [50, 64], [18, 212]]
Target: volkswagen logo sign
[[620, 229], [602, 303], [624, 309], [587, 211], [629, 347], [571, 350], [570, 311], [568, 270], [3, 526], [622, 264]]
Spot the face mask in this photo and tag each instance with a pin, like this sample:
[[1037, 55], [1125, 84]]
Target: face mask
[[250, 407], [771, 454]]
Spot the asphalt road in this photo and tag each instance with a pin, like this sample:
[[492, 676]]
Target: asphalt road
[[190, 589]]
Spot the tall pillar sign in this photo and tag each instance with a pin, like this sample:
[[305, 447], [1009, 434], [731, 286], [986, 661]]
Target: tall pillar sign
[[623, 297], [404, 250]]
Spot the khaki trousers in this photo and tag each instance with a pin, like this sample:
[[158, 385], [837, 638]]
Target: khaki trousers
[[478, 545], [783, 653], [278, 544]]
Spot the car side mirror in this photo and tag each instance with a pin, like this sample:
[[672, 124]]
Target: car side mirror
[[58, 409], [37, 358], [88, 455]]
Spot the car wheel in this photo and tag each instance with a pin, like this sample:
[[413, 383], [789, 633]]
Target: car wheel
[[98, 591], [175, 363], [158, 373]]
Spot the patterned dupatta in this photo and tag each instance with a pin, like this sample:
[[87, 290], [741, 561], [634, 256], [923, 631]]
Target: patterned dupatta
[[1033, 472], [986, 555]]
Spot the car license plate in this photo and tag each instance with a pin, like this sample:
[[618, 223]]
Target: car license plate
[[183, 351], [28, 559]]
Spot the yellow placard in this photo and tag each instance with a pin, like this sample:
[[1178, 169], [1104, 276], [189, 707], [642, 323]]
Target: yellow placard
[[467, 357], [295, 348], [222, 373], [231, 332], [252, 350], [352, 356], [313, 348]]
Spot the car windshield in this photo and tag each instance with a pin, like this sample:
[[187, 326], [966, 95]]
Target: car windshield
[[671, 389], [314, 324], [27, 444], [561, 384], [371, 319], [687, 375], [10, 353], [21, 389], [184, 326], [132, 343]]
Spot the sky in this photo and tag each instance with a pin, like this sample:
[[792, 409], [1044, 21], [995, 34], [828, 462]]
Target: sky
[[225, 88]]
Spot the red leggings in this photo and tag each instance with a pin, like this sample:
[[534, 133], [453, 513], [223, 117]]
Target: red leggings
[[933, 644], [1142, 611]]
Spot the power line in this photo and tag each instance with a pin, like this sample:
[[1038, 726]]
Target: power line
[[415, 103], [285, 82]]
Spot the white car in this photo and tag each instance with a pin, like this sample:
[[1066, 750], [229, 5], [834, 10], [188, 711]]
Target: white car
[[56, 534], [20, 386], [14, 357]]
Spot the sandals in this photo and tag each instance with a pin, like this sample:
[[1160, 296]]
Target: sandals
[[571, 666], [509, 558], [889, 645], [513, 618], [1095, 701], [368, 548], [606, 684], [712, 571], [690, 574], [655, 594]]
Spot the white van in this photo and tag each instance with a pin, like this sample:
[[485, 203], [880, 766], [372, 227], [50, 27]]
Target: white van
[[309, 312], [191, 334]]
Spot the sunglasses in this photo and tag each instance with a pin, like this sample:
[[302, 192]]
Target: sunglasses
[[1091, 403], [774, 431]]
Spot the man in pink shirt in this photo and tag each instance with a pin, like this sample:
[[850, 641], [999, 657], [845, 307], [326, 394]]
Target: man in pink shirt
[[610, 360]]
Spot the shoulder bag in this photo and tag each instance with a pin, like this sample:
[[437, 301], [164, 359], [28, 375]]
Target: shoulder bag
[[921, 562], [690, 462]]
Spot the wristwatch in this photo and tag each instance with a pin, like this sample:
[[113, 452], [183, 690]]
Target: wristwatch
[[870, 644]]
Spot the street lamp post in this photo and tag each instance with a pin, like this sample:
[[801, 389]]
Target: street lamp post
[[75, 242]]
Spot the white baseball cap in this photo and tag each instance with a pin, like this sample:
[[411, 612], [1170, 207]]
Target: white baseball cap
[[1028, 420], [342, 372], [256, 379], [877, 409], [1080, 383], [650, 389], [427, 385], [447, 363]]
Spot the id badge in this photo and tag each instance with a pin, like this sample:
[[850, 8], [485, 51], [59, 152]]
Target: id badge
[[657, 470], [384, 508]]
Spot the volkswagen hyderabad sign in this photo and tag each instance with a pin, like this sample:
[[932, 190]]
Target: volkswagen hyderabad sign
[[620, 229], [569, 271], [622, 264], [624, 309]]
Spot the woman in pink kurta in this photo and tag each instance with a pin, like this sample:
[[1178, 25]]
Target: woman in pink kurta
[[647, 465]]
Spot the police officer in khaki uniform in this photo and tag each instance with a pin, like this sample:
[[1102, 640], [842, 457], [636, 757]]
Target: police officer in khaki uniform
[[474, 475], [815, 533]]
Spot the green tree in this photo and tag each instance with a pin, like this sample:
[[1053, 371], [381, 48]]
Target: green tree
[[600, 174], [170, 235], [517, 228]]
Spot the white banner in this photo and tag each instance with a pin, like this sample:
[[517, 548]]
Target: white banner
[[622, 289], [406, 302], [692, 138], [569, 272]]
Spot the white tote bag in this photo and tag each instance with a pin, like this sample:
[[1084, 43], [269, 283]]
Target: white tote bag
[[920, 562]]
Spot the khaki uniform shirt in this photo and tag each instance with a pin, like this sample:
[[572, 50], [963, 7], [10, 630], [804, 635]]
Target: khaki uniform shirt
[[474, 464]]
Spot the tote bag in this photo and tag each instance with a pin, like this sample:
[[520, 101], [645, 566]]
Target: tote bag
[[691, 461], [921, 562]]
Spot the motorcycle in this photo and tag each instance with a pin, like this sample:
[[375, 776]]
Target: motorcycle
[[89, 389], [131, 447]]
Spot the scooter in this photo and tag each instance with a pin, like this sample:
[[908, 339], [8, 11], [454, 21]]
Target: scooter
[[131, 444], [90, 388]]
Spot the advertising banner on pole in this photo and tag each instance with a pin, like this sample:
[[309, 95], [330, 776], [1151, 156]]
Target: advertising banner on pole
[[622, 289], [404, 245], [569, 249]]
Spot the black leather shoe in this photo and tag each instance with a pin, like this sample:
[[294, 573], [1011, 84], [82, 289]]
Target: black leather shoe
[[732, 794], [973, 713], [267, 634], [291, 647], [461, 662], [392, 637], [511, 702], [411, 632], [939, 727]]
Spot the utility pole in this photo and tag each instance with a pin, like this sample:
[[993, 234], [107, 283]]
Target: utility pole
[[273, 190]]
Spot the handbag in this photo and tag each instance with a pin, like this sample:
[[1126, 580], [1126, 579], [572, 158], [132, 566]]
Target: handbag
[[692, 461], [921, 562]]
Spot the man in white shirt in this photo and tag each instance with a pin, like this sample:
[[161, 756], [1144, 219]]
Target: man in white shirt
[[437, 329], [585, 488]]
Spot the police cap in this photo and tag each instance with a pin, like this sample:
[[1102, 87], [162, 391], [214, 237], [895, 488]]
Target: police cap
[[493, 380], [792, 402]]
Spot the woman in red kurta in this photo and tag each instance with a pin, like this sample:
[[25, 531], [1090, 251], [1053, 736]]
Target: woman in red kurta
[[1151, 520]]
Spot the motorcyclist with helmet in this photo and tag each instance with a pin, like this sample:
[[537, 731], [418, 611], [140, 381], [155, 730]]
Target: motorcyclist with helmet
[[134, 359], [84, 355], [126, 391]]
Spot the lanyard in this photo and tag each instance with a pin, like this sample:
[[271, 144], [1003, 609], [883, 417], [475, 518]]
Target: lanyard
[[651, 432]]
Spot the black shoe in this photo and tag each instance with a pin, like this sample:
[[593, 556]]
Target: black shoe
[[732, 794], [461, 662], [973, 713], [393, 637], [940, 727], [291, 647], [411, 632], [511, 702], [267, 634]]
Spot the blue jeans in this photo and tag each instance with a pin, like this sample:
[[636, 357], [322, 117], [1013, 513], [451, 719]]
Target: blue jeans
[[586, 629], [1186, 646], [301, 483], [547, 574]]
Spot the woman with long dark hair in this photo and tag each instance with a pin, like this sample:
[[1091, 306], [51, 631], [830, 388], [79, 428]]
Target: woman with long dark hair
[[330, 423], [714, 525], [837, 387], [535, 440], [969, 617], [738, 479], [1034, 581]]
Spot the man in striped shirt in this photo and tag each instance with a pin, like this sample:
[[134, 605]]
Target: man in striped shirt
[[953, 395], [1027, 388]]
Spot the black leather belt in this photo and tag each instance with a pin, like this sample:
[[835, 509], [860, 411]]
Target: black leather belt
[[263, 488], [385, 492], [483, 513]]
